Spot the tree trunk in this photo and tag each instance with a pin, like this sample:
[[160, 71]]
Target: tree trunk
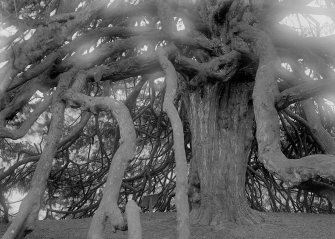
[[183, 218], [221, 121], [108, 208], [24, 220]]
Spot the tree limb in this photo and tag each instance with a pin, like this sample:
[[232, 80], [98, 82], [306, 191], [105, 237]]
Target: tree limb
[[183, 226], [108, 206]]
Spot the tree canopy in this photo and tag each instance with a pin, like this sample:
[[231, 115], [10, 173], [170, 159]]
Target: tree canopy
[[96, 93]]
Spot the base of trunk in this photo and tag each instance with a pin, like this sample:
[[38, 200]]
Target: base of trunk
[[221, 123], [214, 217]]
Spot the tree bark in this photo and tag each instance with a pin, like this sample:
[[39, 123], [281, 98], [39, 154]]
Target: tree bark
[[221, 122], [30, 206], [108, 208], [265, 92], [183, 219]]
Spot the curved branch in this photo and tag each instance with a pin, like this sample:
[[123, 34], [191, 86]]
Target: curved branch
[[30, 205], [45, 39], [76, 130], [12, 168], [109, 207], [268, 133], [183, 226], [323, 137], [26, 125]]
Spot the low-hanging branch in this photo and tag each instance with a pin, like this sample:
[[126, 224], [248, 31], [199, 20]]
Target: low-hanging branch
[[268, 133], [30, 205], [26, 125], [109, 203]]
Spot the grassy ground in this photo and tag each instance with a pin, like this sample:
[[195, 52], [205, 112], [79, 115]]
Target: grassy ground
[[162, 226]]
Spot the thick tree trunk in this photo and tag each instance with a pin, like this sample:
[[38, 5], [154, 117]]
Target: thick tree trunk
[[221, 120]]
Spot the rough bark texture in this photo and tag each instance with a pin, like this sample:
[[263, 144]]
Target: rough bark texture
[[183, 218], [108, 208], [221, 121]]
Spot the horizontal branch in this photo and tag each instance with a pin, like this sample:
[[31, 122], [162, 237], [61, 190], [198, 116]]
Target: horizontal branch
[[90, 207], [303, 92], [285, 37], [12, 168], [22, 97], [78, 42]]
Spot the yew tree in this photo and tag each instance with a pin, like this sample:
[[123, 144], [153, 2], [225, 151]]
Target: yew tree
[[126, 94]]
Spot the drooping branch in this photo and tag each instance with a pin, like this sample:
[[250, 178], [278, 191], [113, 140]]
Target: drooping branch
[[286, 38], [109, 204], [26, 125], [58, 57], [45, 39], [30, 205], [131, 99], [93, 35], [268, 134], [302, 90], [12, 168], [183, 226], [76, 130], [307, 125], [22, 96], [323, 137]]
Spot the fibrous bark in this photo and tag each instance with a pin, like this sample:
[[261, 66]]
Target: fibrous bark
[[221, 119]]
